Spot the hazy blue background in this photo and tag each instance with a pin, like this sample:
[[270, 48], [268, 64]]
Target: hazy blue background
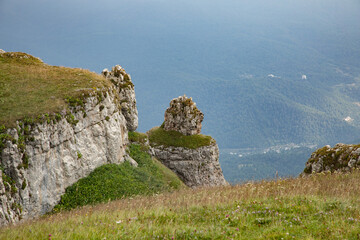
[[218, 52]]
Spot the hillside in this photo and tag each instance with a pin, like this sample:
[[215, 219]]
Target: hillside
[[324, 206], [29, 87]]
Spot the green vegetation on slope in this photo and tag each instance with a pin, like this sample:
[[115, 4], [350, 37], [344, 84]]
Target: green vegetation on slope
[[323, 206], [137, 137], [158, 136], [112, 181], [29, 87]]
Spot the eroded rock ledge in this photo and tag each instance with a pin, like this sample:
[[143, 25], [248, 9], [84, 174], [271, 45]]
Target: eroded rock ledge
[[195, 166], [41, 158], [340, 158]]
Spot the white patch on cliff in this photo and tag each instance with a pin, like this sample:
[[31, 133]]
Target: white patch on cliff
[[303, 77]]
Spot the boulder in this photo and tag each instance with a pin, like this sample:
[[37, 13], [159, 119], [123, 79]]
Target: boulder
[[183, 116]]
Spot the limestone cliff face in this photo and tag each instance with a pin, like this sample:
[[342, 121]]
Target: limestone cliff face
[[41, 159], [340, 158], [196, 167]]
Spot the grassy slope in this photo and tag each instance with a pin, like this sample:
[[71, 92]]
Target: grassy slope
[[29, 87], [158, 136], [318, 207], [111, 181]]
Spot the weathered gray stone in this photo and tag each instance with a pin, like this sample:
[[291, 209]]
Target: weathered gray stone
[[60, 153], [131, 161], [340, 158], [126, 93], [183, 116], [195, 167]]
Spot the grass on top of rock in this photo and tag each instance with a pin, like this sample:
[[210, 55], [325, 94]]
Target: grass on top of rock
[[158, 136], [29, 87], [112, 181]]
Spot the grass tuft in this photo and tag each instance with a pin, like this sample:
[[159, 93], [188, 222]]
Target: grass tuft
[[158, 136]]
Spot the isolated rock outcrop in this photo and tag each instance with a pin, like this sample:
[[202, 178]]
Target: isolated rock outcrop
[[183, 116], [194, 166], [340, 158], [41, 158]]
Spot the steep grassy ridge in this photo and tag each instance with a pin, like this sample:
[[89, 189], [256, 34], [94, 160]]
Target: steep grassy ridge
[[318, 207], [29, 87]]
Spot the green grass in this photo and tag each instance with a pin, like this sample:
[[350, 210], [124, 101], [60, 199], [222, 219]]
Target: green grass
[[137, 137], [112, 181], [158, 136], [323, 206], [29, 87]]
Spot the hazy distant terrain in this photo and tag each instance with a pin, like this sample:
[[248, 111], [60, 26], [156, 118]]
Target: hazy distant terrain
[[263, 72], [242, 165]]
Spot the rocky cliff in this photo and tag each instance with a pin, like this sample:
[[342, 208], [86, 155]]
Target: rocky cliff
[[340, 158], [179, 145], [41, 157]]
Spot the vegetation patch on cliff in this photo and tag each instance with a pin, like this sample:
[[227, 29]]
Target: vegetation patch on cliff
[[158, 136], [29, 87], [112, 181]]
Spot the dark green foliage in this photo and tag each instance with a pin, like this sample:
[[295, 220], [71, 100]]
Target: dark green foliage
[[99, 96], [113, 181], [25, 162], [71, 119], [74, 102], [79, 155], [23, 185], [101, 107], [308, 169], [7, 179], [107, 118], [158, 136], [136, 137]]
